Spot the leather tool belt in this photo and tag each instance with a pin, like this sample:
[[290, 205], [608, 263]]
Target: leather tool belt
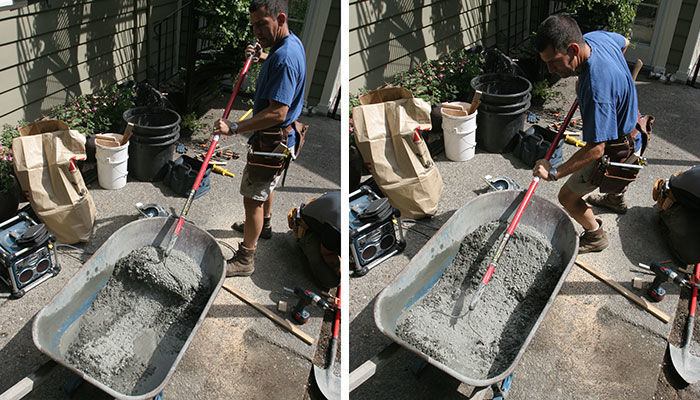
[[264, 168], [616, 179]]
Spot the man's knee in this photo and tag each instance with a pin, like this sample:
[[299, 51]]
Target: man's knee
[[251, 204], [568, 198]]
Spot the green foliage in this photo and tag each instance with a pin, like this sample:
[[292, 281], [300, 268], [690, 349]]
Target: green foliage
[[297, 13], [192, 123], [8, 133], [98, 112], [445, 79], [543, 89], [612, 15], [228, 26], [252, 76]]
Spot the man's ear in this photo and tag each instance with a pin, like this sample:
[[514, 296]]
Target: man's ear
[[281, 18], [574, 49]]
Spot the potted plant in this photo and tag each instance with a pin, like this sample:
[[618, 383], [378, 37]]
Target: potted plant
[[9, 199]]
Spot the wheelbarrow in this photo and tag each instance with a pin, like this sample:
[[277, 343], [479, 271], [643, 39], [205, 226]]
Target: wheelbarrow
[[55, 325], [428, 265]]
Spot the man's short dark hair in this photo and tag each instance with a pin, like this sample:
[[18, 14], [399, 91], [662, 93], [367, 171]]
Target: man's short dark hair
[[272, 7], [558, 30]]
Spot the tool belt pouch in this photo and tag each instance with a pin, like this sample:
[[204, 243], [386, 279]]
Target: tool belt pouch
[[614, 179], [266, 168], [300, 130]]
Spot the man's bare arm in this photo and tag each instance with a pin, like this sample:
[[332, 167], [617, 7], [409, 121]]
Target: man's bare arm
[[272, 115]]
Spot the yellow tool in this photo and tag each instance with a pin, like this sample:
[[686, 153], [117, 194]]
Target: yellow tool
[[572, 140], [221, 171], [250, 110]]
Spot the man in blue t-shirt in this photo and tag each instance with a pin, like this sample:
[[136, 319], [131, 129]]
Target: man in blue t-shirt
[[279, 97], [608, 102]]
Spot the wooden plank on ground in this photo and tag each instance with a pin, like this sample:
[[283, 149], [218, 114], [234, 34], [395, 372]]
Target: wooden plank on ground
[[280, 321], [625, 292]]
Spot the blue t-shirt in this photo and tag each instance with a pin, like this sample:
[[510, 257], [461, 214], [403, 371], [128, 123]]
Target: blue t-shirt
[[282, 78], [606, 91]]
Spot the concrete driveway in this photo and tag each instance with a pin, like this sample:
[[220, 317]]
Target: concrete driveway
[[593, 343], [238, 352]]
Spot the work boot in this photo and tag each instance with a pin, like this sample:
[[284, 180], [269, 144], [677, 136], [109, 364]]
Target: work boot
[[612, 201], [241, 264], [593, 241], [266, 232]]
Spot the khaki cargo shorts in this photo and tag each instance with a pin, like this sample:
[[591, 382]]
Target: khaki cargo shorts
[[579, 182], [259, 191]]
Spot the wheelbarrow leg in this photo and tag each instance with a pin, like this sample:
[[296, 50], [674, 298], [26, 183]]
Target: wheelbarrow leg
[[501, 391], [417, 366], [73, 382], [478, 392]]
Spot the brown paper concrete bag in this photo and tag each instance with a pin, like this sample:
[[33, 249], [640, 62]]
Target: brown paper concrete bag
[[384, 126], [44, 161]]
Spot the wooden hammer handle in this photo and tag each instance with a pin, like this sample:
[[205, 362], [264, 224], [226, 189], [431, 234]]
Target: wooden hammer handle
[[127, 133], [635, 70], [476, 100]]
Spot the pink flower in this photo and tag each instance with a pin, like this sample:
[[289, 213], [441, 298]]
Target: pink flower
[[441, 75]]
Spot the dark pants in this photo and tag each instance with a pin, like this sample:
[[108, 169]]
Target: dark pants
[[323, 273]]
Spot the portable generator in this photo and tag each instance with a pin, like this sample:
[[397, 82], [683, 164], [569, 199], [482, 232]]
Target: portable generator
[[27, 254], [375, 230]]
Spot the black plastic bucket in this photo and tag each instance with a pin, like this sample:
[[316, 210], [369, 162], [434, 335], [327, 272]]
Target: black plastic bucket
[[506, 108], [495, 131], [148, 161], [504, 101], [149, 121], [501, 88], [156, 139]]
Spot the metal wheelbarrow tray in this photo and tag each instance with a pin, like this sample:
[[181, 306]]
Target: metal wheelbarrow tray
[[428, 265], [54, 321]]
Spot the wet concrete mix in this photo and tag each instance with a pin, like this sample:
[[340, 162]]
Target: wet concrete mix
[[130, 336], [483, 343]]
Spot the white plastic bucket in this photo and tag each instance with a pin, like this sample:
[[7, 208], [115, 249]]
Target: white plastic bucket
[[111, 162], [459, 132]]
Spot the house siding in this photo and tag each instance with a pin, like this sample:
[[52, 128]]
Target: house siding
[[323, 63], [680, 35], [52, 52], [388, 37]]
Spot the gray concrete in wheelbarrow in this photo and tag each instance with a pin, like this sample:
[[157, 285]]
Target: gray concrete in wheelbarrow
[[593, 343], [238, 352]]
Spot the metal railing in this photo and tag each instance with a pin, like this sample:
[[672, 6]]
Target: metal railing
[[167, 34]]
